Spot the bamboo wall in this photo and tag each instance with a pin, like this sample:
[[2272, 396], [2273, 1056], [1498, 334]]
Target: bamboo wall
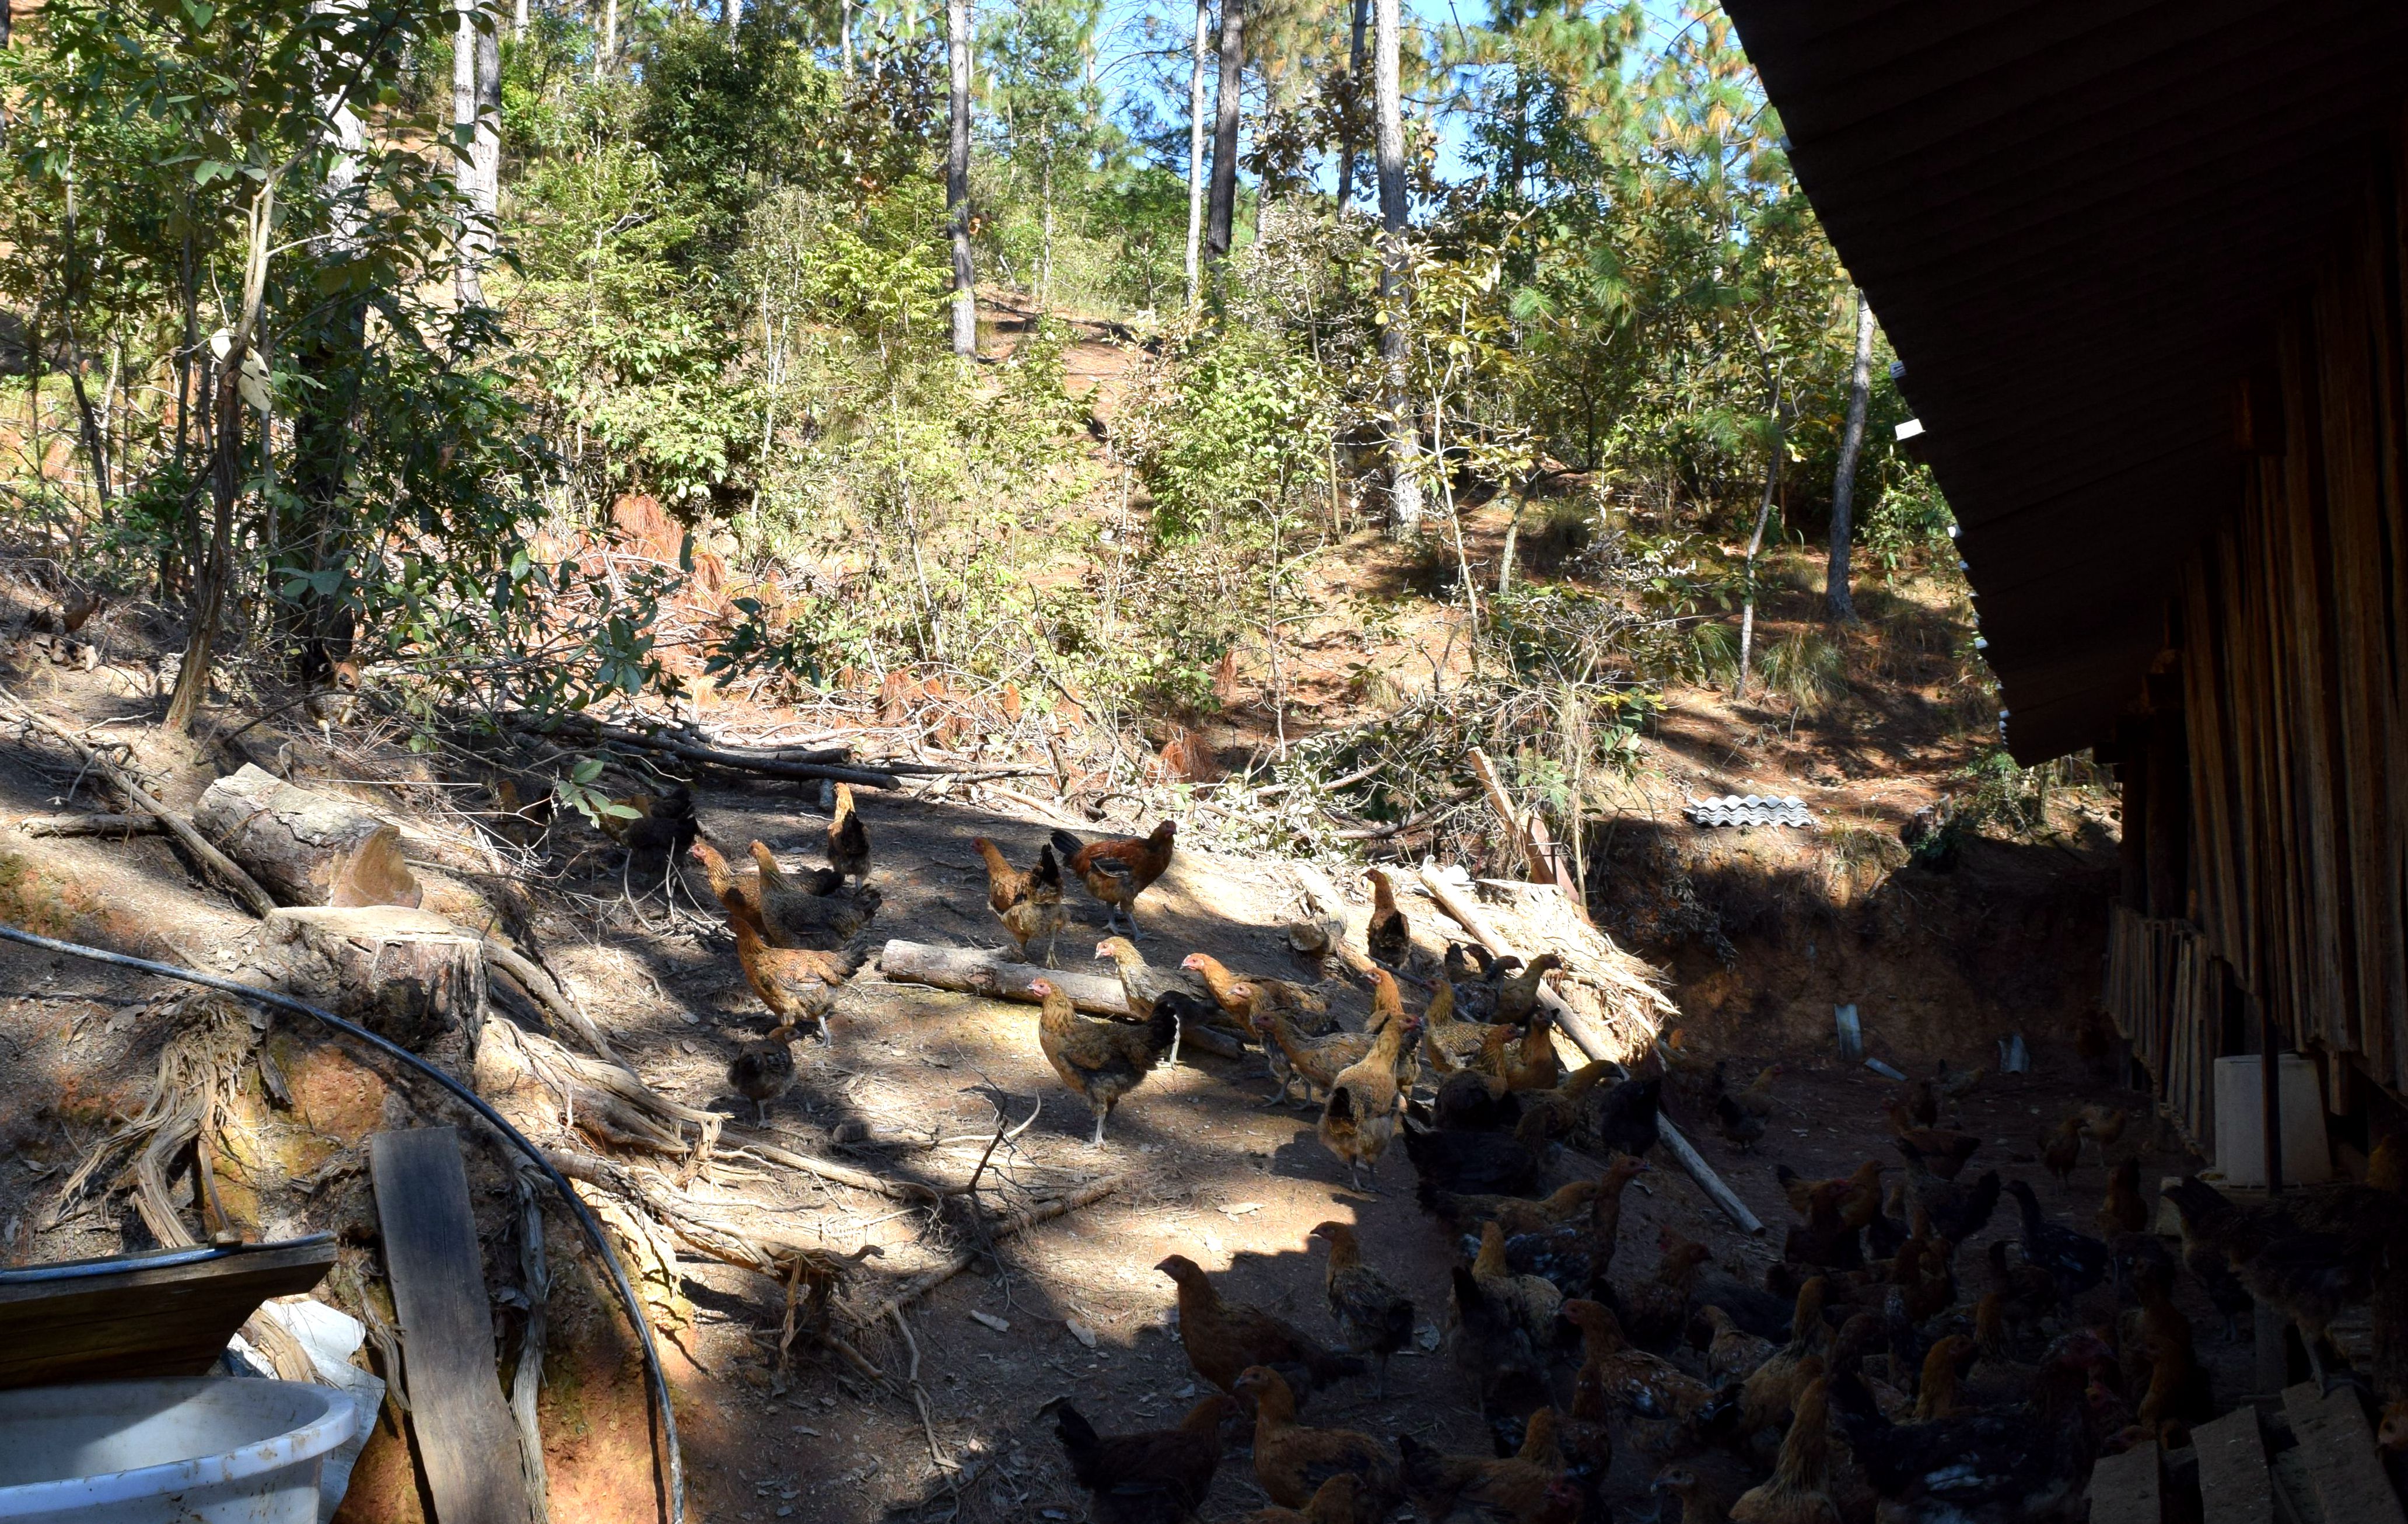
[[2291, 637], [2163, 995]]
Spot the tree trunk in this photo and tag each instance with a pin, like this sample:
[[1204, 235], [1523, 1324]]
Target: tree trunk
[[304, 847], [1353, 104], [1196, 149], [1755, 545], [1838, 603], [735, 18], [408, 975], [957, 176], [1226, 104], [608, 54], [1395, 337], [476, 124], [213, 566], [519, 20]]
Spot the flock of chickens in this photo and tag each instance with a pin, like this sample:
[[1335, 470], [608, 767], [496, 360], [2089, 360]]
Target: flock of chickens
[[1873, 1374]]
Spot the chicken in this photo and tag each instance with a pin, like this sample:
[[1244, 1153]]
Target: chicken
[[2076, 1262], [1360, 1114], [2124, 1211], [765, 1070], [1115, 872], [1513, 1488], [1740, 1128], [1566, 1102], [1958, 1211], [801, 916], [668, 807], [1307, 1007], [1578, 1257], [793, 983], [1159, 1476], [1520, 1215], [1535, 1067], [1704, 1497], [1390, 936], [2103, 1125], [1028, 902], [1315, 1060], [1375, 1317], [1445, 1034], [2060, 1150], [1732, 1351], [739, 896], [1101, 1060], [2021, 1464], [1857, 1206], [1517, 993], [1935, 1395], [1757, 1099], [1771, 1390], [1920, 1100], [1657, 1311], [1291, 1462], [1224, 1338], [1478, 1163], [1944, 1153], [1620, 1119], [1143, 984], [1955, 1084], [848, 840], [1664, 1409], [1488, 1338], [2161, 1337], [1335, 1501], [1798, 1491], [1532, 1299], [1824, 1239]]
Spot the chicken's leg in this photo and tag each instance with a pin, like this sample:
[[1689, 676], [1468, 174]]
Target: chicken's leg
[[760, 1113], [1103, 1109]]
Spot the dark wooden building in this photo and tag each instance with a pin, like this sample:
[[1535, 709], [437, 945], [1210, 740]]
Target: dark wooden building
[[2145, 265]]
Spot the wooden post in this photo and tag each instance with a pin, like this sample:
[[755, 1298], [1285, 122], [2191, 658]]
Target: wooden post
[[2269, 1325]]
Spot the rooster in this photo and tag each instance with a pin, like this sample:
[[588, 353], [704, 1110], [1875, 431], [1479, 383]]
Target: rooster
[[1156, 1477], [1027, 901], [1117, 872], [1101, 1060]]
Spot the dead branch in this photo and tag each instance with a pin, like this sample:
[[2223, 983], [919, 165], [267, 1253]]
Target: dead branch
[[898, 1190], [121, 826], [1018, 1222], [555, 1002], [234, 878], [768, 765]]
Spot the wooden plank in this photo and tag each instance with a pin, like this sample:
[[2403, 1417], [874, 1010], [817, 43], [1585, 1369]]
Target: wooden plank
[[2124, 1488], [467, 1444], [2337, 1449], [2233, 1484], [168, 1314]]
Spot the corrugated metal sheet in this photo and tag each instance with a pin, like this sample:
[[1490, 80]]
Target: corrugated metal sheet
[[2078, 221]]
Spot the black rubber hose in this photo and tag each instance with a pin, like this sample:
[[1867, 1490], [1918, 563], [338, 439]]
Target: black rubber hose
[[655, 1377]]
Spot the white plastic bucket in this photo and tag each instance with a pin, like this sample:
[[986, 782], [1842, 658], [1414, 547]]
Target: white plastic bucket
[[213, 1449]]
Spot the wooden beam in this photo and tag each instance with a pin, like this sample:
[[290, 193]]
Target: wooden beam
[[2124, 1488], [467, 1443], [2337, 1449], [974, 971], [2234, 1487]]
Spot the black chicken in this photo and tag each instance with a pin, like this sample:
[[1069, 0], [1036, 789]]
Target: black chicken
[[1491, 1344], [1479, 1163], [2076, 1262], [1621, 1119], [1958, 1211], [1466, 1104]]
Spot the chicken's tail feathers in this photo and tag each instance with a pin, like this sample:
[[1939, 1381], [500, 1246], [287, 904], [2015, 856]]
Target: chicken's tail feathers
[[1162, 1028], [1783, 1174], [1049, 868], [1425, 1190], [1341, 1104], [1078, 1436], [1066, 844], [1323, 1367]]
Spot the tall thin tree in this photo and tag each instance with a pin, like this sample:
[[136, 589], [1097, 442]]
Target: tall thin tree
[[1226, 103], [1395, 337], [957, 176], [476, 122], [1839, 600], [735, 16], [1195, 146], [1346, 144]]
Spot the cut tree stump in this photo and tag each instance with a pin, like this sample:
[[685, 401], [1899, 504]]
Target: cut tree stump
[[974, 971], [305, 847], [407, 975]]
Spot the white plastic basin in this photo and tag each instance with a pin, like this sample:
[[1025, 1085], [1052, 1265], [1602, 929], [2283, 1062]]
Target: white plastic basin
[[213, 1449]]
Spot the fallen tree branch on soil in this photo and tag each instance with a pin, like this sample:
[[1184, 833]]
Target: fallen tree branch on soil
[[234, 878], [766, 763], [976, 971], [120, 827], [1019, 1222], [555, 1002], [899, 1190], [1456, 901]]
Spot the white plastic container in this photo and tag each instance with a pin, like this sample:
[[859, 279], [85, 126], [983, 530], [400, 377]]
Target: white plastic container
[[205, 1450], [2241, 1123]]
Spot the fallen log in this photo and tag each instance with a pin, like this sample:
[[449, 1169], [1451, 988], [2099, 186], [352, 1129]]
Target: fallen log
[[308, 848], [120, 827], [899, 1190], [408, 975], [767, 763], [976, 971], [1456, 901], [245, 887]]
